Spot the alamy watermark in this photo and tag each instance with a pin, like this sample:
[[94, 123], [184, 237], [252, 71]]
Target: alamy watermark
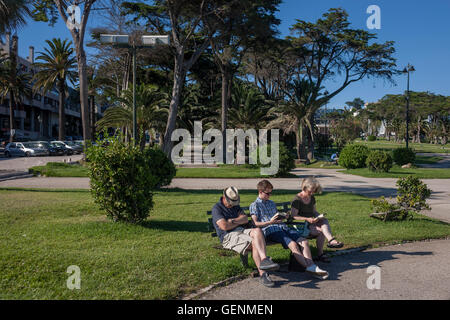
[[374, 21], [73, 17], [74, 280], [193, 153], [374, 281]]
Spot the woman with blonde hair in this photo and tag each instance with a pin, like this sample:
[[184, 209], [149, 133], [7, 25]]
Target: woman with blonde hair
[[303, 207]]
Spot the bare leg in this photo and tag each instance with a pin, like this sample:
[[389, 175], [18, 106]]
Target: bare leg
[[258, 247], [326, 231], [304, 244], [293, 246]]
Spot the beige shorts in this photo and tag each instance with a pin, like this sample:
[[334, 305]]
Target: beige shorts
[[238, 240]]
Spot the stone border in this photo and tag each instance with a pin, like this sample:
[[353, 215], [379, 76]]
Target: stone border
[[234, 279]]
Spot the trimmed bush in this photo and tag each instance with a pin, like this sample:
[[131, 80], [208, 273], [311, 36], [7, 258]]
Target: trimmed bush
[[403, 156], [286, 160], [353, 156], [161, 167], [379, 161], [371, 138], [123, 178]]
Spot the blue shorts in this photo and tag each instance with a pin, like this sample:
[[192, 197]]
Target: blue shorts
[[284, 237]]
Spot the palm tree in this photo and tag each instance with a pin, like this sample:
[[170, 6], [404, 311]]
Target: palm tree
[[249, 108], [57, 67], [151, 110], [294, 114], [15, 85], [13, 14]]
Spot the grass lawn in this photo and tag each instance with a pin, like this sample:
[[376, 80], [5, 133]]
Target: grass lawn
[[58, 169], [417, 147], [398, 172], [320, 165], [42, 233]]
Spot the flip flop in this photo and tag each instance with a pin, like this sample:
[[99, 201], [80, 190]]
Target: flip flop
[[335, 246]]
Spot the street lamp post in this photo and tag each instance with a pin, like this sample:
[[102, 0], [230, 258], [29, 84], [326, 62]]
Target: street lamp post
[[122, 41], [409, 68]]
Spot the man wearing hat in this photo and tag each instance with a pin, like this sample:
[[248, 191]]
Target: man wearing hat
[[229, 220]]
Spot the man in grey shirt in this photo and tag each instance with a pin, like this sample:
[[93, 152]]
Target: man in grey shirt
[[229, 220]]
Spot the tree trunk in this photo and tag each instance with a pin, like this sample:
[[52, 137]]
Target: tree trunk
[[11, 117], [62, 111], [81, 59], [301, 146], [179, 77], [93, 116], [226, 94], [13, 72]]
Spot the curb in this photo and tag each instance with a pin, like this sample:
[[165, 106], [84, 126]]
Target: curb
[[234, 279]]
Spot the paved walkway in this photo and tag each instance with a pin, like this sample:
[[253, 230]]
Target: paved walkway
[[419, 270]]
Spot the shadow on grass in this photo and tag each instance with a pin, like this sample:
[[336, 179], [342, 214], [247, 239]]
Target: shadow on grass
[[171, 225], [355, 261]]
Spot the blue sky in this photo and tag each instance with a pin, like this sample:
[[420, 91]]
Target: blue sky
[[420, 29]]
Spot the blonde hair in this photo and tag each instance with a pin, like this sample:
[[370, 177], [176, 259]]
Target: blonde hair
[[311, 184]]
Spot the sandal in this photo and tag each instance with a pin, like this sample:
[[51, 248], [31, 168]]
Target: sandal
[[335, 246], [322, 258]]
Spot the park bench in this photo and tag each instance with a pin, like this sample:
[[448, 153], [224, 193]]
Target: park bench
[[281, 207]]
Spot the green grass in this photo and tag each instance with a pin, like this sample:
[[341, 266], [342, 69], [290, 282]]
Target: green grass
[[398, 172], [422, 159], [58, 169], [42, 233], [417, 147], [320, 165]]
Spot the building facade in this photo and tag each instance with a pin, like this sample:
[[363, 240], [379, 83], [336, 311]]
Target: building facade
[[37, 119]]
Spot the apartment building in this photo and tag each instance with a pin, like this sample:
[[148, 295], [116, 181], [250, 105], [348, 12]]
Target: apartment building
[[38, 119]]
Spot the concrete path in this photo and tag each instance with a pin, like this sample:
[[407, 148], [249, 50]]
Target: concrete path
[[442, 164], [332, 181], [419, 270]]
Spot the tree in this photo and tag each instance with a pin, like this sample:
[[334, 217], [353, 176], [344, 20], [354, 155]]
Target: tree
[[183, 20], [234, 29], [329, 47], [47, 11], [249, 109], [150, 108], [13, 14], [14, 84], [356, 104], [57, 67]]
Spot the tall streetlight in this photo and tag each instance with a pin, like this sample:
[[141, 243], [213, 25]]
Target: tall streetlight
[[409, 68], [122, 41]]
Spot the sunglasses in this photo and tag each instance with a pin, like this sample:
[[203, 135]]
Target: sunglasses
[[268, 193]]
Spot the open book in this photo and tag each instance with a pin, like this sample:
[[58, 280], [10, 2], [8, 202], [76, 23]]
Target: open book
[[280, 215]]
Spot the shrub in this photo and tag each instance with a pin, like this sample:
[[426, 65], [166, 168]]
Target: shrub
[[286, 160], [161, 166], [403, 156], [123, 178], [412, 196], [412, 193], [353, 156], [379, 161], [371, 138]]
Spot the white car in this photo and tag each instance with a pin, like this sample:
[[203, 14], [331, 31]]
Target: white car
[[25, 149]]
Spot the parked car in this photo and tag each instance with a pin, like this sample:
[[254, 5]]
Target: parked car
[[53, 150], [25, 149], [77, 148], [67, 149]]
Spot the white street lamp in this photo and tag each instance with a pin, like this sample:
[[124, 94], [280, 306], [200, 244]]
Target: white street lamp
[[119, 40]]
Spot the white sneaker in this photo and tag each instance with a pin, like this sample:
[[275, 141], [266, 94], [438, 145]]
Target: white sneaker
[[316, 272]]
